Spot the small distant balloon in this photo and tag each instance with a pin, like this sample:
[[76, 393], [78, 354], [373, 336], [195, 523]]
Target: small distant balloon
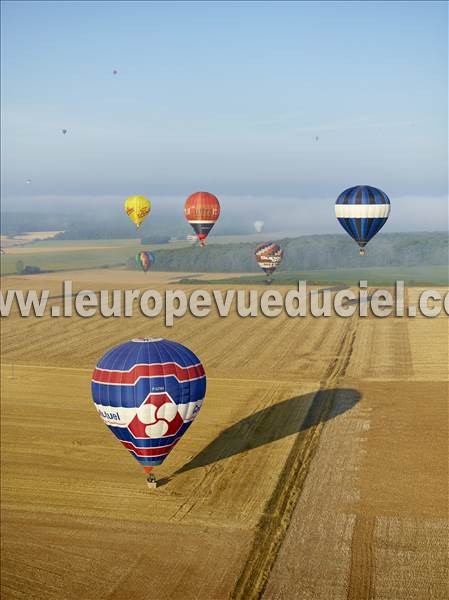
[[258, 226], [64, 131], [28, 180], [269, 256], [316, 138], [137, 208], [145, 260], [114, 72]]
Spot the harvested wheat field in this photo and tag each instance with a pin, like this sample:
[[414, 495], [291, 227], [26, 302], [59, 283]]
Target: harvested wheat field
[[316, 470], [25, 238]]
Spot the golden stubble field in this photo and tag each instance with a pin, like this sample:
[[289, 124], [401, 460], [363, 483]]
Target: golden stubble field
[[317, 468]]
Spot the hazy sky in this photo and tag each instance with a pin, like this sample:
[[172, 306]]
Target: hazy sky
[[227, 97]]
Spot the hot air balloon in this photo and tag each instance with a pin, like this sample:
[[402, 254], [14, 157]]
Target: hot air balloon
[[362, 211], [114, 72], [137, 208], [258, 226], [145, 260], [148, 391], [64, 131], [28, 181], [269, 256], [201, 211]]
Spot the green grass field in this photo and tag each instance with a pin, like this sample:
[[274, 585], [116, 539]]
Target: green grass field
[[87, 254], [428, 275]]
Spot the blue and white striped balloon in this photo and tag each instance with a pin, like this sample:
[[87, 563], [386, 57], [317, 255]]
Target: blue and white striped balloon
[[362, 211]]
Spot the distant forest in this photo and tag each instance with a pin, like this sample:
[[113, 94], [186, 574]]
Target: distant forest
[[311, 252], [307, 252]]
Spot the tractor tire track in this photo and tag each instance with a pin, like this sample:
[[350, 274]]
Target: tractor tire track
[[362, 573]]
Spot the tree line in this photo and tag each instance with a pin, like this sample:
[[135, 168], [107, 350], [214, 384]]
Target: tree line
[[311, 252]]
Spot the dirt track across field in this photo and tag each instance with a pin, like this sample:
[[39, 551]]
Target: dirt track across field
[[317, 469]]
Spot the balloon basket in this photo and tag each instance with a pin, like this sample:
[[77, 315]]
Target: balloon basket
[[152, 482], [362, 251]]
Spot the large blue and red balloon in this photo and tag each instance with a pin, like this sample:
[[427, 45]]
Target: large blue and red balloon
[[148, 391]]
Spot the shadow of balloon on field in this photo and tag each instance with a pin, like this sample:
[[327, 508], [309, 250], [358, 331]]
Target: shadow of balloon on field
[[274, 423]]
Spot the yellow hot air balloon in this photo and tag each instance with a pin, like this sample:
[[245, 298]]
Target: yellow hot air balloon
[[137, 208]]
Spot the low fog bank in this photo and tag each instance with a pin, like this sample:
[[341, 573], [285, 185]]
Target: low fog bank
[[104, 218]]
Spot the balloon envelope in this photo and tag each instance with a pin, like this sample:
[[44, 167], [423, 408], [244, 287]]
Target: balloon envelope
[[145, 260], [64, 131], [362, 211], [148, 391], [202, 210], [137, 208], [269, 256]]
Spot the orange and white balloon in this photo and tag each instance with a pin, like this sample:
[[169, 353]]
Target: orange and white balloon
[[202, 210]]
